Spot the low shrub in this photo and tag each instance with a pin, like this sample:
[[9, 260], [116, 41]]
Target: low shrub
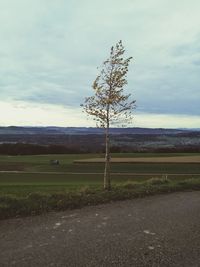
[[158, 181], [130, 184], [38, 202]]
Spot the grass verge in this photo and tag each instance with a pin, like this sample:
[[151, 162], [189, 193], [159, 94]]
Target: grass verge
[[39, 202]]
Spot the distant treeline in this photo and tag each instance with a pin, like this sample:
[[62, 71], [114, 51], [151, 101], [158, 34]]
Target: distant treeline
[[35, 149]]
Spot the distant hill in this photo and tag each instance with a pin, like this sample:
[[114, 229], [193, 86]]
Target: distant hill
[[25, 140], [51, 130]]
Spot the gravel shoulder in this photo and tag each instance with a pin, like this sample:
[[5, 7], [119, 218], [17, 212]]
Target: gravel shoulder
[[161, 230]]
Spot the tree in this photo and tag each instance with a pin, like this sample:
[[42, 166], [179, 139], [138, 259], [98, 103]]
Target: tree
[[109, 105]]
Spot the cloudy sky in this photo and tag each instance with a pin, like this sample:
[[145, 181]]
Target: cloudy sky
[[50, 51]]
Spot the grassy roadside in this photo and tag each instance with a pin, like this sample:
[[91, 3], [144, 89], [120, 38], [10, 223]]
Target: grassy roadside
[[38, 202]]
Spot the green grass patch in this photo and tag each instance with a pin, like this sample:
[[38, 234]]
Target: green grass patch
[[70, 185], [41, 163], [37, 200]]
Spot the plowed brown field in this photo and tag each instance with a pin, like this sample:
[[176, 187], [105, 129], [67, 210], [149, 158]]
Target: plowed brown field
[[180, 159]]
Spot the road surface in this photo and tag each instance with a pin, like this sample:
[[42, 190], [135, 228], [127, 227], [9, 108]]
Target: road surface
[[162, 230]]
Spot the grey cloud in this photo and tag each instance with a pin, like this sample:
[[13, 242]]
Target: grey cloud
[[50, 51], [57, 97], [188, 48], [197, 62]]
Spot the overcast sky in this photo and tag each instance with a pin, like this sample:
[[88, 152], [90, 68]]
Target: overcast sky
[[50, 51]]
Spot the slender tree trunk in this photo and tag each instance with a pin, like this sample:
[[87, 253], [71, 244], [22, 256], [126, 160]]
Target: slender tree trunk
[[107, 182]]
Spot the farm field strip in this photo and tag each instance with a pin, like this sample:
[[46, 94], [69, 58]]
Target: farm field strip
[[177, 159], [100, 173], [31, 184], [37, 170]]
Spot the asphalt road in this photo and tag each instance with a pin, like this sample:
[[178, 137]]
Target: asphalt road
[[161, 230]]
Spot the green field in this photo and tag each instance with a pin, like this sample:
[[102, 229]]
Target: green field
[[34, 173], [29, 185]]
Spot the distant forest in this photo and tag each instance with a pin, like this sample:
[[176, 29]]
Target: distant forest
[[33, 149], [35, 143]]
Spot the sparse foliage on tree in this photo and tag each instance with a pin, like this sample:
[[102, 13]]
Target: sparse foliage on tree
[[109, 105]]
